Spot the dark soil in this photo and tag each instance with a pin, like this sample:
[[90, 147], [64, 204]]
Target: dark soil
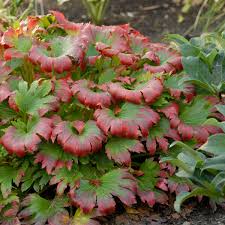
[[154, 18], [165, 215]]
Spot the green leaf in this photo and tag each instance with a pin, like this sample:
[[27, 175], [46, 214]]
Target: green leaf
[[160, 129], [151, 172], [107, 76], [196, 113], [23, 44], [183, 196], [100, 192], [30, 100], [8, 176], [216, 163], [199, 72], [221, 109], [41, 209], [219, 181], [177, 39], [215, 144], [6, 113], [119, 149]]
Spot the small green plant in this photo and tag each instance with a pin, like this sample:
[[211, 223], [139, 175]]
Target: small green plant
[[95, 8]]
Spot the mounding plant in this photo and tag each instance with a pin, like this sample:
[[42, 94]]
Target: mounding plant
[[88, 115]]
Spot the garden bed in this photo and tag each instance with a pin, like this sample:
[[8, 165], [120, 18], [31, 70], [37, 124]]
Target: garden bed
[[151, 17]]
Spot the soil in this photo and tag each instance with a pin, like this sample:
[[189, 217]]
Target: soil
[[165, 215], [153, 18]]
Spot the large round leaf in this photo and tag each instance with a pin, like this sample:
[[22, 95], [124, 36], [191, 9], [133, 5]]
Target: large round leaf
[[52, 157], [84, 91], [63, 53], [78, 138], [149, 91], [170, 60], [132, 121], [22, 138], [100, 192]]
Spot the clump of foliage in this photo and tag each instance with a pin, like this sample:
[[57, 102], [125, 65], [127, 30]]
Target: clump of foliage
[[87, 116]]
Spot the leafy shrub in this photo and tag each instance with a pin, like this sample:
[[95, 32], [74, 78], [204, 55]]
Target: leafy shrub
[[87, 113]]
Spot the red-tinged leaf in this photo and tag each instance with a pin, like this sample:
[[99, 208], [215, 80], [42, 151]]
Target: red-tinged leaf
[[162, 184], [38, 210], [186, 131], [82, 218], [22, 138], [60, 218], [12, 53], [112, 39], [13, 221], [100, 193], [148, 197], [62, 90], [170, 61], [84, 91], [52, 157], [12, 212], [147, 181], [90, 140], [149, 91], [158, 135], [64, 23], [126, 80], [4, 92], [119, 149], [127, 59], [5, 70], [65, 178], [152, 57], [178, 85], [63, 53], [132, 121]]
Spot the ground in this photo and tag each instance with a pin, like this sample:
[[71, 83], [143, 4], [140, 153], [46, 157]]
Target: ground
[[154, 18]]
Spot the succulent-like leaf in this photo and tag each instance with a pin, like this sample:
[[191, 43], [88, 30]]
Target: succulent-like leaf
[[52, 157], [78, 138], [100, 192], [149, 92], [132, 121], [83, 91], [31, 100], [22, 138], [119, 149]]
